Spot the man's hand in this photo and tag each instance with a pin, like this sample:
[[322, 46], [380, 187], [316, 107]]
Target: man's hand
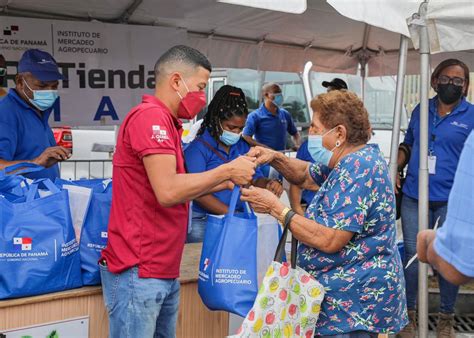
[[242, 170], [263, 155], [275, 187], [51, 156]]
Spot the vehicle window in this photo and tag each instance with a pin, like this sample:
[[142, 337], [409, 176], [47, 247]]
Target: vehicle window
[[293, 93], [249, 81]]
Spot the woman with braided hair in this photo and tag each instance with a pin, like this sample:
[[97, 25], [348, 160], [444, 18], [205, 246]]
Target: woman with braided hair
[[219, 141]]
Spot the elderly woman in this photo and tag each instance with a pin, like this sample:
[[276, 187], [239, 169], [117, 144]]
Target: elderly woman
[[347, 235]]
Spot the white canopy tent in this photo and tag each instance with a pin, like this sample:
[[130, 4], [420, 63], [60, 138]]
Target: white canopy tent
[[243, 37]]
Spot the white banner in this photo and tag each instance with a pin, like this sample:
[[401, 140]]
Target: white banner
[[109, 66]]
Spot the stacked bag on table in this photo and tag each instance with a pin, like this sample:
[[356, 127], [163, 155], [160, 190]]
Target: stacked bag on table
[[51, 234]]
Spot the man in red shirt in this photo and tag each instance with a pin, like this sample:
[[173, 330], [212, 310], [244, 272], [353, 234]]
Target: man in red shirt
[[148, 219]]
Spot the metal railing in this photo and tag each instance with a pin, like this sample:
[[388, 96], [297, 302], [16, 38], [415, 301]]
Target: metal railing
[[77, 169]]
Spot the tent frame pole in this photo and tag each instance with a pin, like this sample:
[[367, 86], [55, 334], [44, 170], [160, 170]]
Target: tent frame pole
[[423, 181], [397, 114]]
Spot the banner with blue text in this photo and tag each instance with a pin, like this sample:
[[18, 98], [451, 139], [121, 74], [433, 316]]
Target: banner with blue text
[[108, 66]]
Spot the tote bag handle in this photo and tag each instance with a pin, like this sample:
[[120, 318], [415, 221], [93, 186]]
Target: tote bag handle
[[30, 196], [233, 203], [10, 176], [22, 168], [280, 251]]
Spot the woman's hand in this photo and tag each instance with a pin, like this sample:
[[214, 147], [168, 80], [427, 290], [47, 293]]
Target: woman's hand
[[275, 187], [263, 155], [263, 201]]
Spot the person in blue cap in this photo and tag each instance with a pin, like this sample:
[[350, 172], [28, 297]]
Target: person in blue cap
[[25, 135]]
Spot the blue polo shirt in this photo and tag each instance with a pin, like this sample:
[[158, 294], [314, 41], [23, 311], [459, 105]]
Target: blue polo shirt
[[270, 129], [304, 155], [200, 158], [455, 239], [24, 135], [446, 140]]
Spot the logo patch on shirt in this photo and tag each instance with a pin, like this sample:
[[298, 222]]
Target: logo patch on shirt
[[159, 134], [460, 125]]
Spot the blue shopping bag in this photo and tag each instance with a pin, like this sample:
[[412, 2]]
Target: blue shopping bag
[[12, 184], [38, 250], [228, 266], [94, 229]]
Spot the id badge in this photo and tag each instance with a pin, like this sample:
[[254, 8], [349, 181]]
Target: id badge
[[432, 165]]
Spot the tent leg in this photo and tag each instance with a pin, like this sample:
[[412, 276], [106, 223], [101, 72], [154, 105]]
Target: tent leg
[[423, 191], [397, 114]]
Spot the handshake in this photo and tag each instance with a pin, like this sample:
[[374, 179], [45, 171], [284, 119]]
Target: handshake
[[242, 169]]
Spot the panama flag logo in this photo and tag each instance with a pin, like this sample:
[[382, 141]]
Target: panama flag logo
[[104, 234], [207, 262], [24, 242]]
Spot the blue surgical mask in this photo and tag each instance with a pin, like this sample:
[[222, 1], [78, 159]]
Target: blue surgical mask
[[229, 138], [317, 150], [42, 99], [277, 100]]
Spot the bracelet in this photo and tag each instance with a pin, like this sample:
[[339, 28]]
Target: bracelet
[[283, 215], [289, 217]]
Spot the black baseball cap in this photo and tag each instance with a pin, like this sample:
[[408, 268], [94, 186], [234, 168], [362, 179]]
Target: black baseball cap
[[336, 83]]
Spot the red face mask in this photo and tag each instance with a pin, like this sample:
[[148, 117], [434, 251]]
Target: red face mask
[[191, 104]]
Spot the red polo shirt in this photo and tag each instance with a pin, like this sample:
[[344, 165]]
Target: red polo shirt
[[142, 232]]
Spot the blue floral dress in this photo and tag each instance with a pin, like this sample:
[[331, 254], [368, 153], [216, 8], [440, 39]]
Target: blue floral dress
[[365, 287]]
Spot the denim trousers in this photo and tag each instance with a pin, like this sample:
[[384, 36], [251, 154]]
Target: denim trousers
[[409, 215], [140, 307], [198, 228]]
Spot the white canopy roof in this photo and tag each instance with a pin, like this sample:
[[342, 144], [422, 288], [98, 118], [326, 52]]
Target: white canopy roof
[[450, 23], [244, 37]]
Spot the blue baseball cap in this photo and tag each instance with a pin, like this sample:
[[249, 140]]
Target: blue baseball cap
[[41, 64]]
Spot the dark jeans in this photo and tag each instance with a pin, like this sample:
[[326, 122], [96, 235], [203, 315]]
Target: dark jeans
[[409, 213]]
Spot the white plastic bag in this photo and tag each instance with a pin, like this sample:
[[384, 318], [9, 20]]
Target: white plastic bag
[[269, 232], [79, 200]]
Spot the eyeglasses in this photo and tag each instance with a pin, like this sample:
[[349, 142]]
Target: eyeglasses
[[3, 71], [457, 81]]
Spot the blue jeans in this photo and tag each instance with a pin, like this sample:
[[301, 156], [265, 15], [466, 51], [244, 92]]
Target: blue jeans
[[198, 228], [140, 307], [355, 334], [409, 214]]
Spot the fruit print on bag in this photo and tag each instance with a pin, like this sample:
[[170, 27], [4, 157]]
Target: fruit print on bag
[[287, 305]]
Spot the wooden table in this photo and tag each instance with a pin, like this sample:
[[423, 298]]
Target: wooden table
[[194, 320]]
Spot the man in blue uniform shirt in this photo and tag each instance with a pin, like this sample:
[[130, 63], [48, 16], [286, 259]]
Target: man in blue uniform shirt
[[25, 135], [270, 123]]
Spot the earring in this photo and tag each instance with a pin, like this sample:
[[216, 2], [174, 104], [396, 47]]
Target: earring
[[338, 143]]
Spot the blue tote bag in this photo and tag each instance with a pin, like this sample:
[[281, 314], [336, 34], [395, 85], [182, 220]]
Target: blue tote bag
[[228, 266], [38, 250], [94, 230], [12, 184]]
